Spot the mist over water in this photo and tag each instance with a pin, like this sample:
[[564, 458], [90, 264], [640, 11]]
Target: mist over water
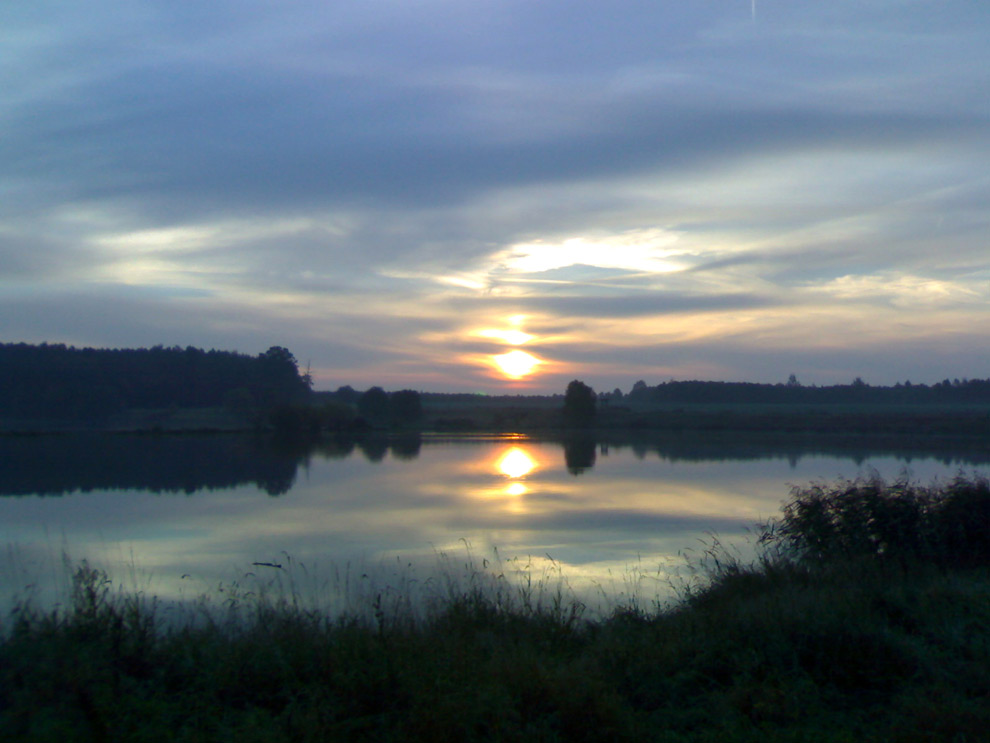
[[178, 517]]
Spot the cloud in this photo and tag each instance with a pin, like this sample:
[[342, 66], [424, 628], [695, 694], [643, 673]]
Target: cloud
[[643, 304], [195, 125], [371, 182]]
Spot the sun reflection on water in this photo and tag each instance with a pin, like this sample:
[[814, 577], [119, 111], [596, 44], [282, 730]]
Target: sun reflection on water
[[515, 463], [515, 489]]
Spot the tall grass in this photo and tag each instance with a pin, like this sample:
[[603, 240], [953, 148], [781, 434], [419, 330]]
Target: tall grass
[[858, 622]]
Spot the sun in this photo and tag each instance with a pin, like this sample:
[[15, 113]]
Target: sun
[[516, 364]]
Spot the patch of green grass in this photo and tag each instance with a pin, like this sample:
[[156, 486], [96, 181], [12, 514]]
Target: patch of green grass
[[847, 628]]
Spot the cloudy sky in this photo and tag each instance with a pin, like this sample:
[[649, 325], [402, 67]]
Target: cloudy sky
[[408, 192]]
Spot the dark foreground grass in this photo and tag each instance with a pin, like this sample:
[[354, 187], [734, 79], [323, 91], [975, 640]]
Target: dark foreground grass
[[849, 628]]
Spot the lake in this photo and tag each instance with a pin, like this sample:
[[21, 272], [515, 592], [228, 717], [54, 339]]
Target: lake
[[182, 516]]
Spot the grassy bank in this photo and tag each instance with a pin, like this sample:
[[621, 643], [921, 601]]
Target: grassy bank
[[867, 618]]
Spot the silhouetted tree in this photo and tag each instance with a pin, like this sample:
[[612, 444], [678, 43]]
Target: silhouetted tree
[[406, 406], [280, 356], [336, 415], [579, 403], [280, 379], [639, 393], [374, 404], [347, 394]]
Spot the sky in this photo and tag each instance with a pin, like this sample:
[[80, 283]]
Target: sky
[[503, 195]]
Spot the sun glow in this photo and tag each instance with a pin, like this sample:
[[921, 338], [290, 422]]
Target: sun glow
[[516, 463], [516, 364], [650, 251], [512, 337]]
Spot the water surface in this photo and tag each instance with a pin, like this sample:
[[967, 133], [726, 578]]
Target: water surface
[[179, 516]]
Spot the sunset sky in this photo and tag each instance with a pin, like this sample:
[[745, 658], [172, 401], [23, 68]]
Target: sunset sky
[[503, 195]]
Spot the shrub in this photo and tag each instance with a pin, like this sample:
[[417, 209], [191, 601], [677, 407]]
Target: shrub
[[948, 525]]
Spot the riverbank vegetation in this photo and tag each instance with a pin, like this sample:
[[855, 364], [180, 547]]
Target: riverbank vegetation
[[175, 390], [865, 618]]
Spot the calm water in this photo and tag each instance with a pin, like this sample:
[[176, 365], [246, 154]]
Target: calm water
[[179, 516]]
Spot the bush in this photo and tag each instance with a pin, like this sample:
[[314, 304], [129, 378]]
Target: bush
[[947, 525]]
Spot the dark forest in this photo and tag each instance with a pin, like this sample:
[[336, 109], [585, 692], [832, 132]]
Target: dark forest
[[65, 383]]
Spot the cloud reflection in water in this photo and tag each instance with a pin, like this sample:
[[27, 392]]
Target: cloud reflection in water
[[629, 507]]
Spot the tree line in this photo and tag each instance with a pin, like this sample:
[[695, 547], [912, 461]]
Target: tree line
[[55, 381], [350, 410], [858, 392]]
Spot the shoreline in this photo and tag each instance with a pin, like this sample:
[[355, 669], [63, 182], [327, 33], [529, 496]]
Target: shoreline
[[917, 420]]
